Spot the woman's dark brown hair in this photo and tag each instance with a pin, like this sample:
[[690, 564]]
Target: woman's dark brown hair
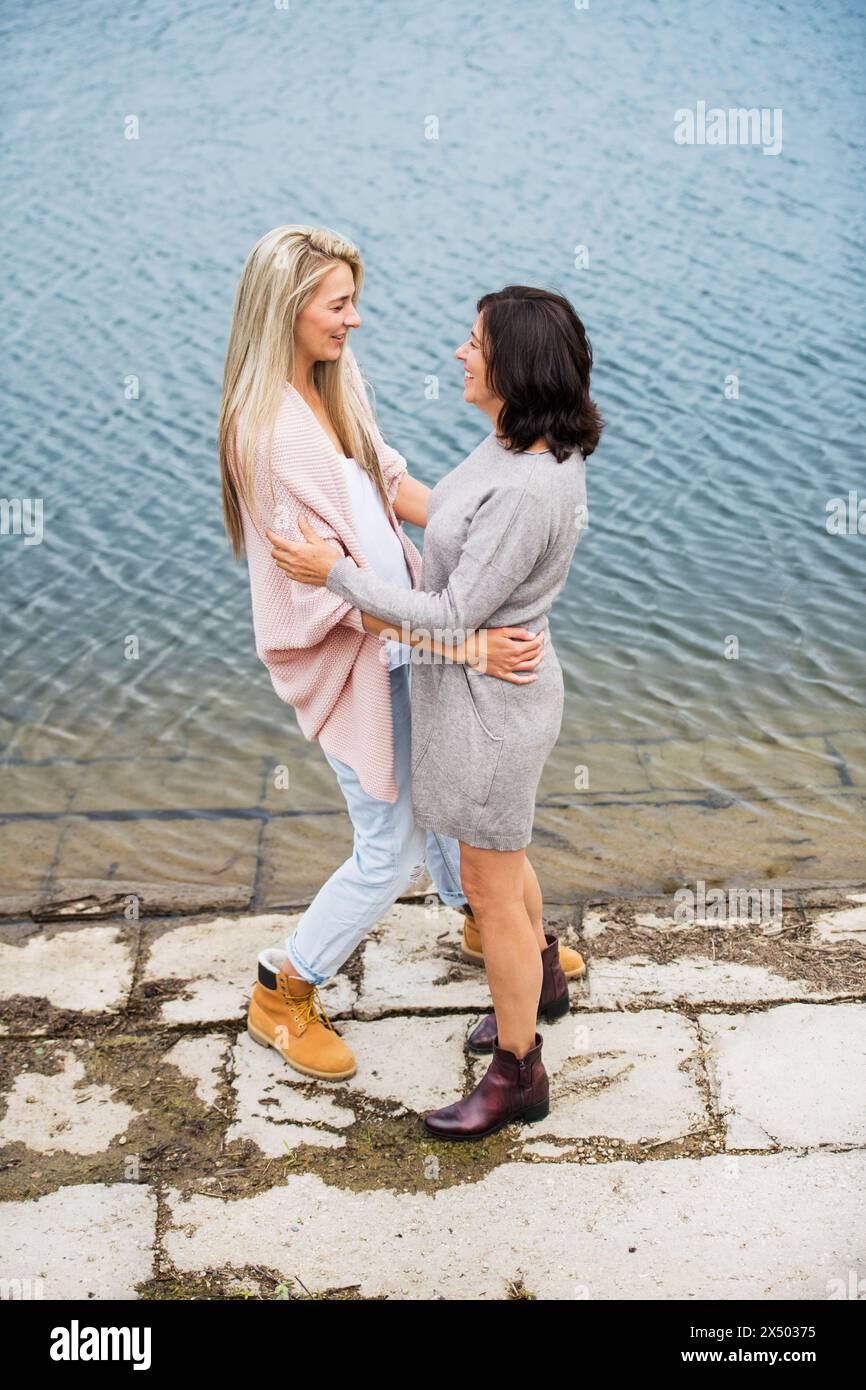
[[538, 360]]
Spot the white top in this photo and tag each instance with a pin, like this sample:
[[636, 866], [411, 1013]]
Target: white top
[[380, 543]]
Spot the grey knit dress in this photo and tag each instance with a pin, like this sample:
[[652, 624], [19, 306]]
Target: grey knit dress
[[501, 532]]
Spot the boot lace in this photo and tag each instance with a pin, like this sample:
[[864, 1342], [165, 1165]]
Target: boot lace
[[307, 1008]]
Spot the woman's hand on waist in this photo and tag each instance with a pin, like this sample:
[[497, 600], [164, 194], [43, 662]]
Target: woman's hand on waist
[[508, 653]]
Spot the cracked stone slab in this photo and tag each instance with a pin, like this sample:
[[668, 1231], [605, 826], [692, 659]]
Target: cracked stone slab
[[89, 1241], [88, 969], [217, 960], [627, 1076], [624, 1076], [846, 923], [416, 1064], [639, 979], [277, 1108], [790, 1076], [597, 921], [761, 1226], [63, 1110], [413, 961], [201, 1059]]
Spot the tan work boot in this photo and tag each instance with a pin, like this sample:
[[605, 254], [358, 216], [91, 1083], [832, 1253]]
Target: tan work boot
[[572, 962], [286, 1013]]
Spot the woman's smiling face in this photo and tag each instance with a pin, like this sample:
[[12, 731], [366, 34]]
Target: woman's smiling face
[[475, 388], [323, 325]]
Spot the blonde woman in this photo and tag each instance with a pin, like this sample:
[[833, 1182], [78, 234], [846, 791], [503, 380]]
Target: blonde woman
[[298, 444], [502, 529]]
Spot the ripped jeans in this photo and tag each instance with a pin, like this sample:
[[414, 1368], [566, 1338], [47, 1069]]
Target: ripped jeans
[[390, 851]]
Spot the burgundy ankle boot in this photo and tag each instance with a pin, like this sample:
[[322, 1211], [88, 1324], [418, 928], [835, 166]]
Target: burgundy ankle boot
[[553, 1001], [511, 1089]]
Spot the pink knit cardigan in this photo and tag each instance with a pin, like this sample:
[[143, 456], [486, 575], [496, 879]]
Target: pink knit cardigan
[[313, 643]]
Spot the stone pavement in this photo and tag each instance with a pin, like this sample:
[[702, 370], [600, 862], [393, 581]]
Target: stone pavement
[[706, 1136]]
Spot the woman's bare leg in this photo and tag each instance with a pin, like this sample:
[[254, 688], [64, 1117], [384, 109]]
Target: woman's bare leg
[[288, 968], [494, 882], [534, 902]]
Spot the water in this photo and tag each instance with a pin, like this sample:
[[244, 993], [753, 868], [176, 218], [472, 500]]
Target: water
[[555, 130]]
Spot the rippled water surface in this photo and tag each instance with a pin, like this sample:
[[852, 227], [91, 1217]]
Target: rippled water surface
[[555, 130]]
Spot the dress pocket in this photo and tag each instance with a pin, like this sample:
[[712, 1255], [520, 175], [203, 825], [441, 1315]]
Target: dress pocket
[[458, 751], [487, 699], [475, 733]]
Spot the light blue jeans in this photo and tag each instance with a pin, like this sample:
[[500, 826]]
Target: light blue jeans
[[388, 847]]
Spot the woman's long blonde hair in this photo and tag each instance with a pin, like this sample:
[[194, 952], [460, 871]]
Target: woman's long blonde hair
[[280, 277]]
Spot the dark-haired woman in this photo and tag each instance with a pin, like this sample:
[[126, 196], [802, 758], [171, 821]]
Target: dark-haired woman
[[501, 532]]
